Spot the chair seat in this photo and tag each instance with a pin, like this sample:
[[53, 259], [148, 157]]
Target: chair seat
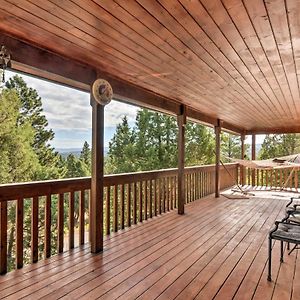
[[287, 232]]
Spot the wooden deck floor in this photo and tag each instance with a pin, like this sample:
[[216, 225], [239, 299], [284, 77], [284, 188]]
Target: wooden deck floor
[[217, 250]]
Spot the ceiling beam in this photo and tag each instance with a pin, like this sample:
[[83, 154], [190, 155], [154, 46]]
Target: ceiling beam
[[38, 62], [294, 129]]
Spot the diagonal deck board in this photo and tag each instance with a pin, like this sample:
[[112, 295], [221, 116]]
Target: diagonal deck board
[[218, 249]]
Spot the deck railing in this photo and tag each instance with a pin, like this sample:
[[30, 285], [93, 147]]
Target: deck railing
[[57, 211], [285, 178]]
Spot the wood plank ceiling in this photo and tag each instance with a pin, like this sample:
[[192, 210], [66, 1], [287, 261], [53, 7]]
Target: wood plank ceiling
[[230, 59]]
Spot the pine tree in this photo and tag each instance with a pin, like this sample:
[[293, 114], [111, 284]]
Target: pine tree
[[199, 145], [31, 112], [230, 146], [76, 167], [276, 145], [121, 157], [18, 161], [86, 155]]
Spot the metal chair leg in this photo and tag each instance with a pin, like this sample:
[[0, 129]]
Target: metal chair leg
[[270, 258], [281, 251]]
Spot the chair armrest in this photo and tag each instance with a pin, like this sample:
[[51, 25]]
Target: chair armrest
[[291, 201]]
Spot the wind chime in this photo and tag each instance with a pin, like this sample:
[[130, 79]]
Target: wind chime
[[5, 61]]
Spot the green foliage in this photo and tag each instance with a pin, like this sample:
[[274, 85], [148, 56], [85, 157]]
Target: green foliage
[[231, 147], [76, 167], [121, 150], [200, 145], [30, 113], [276, 145], [152, 144], [86, 155], [18, 161]]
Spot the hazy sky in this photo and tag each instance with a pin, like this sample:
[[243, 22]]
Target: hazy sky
[[68, 112]]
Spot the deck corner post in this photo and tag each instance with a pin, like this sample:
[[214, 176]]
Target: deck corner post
[[253, 157], [218, 157], [242, 169], [96, 200], [181, 121]]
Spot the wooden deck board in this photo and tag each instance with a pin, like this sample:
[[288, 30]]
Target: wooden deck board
[[218, 249]]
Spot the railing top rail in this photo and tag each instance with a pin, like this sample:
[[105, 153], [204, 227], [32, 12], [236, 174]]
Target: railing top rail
[[13, 191]]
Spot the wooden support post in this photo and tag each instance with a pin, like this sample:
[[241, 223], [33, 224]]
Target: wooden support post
[[3, 237], [218, 147], [253, 156], [242, 168], [96, 204], [181, 120]]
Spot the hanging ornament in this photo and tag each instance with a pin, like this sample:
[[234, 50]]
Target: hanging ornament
[[102, 91], [5, 61]]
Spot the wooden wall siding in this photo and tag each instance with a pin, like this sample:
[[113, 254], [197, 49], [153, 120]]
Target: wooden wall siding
[[233, 60], [128, 199]]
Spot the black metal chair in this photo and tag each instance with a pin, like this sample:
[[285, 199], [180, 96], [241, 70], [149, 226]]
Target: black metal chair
[[284, 231]]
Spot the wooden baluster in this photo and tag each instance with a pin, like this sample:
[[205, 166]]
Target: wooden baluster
[[116, 221], [168, 193], [159, 196], [34, 229], [291, 178], [163, 195], [175, 192], [257, 177], [81, 216], [267, 178], [202, 184], [89, 210], [3, 237], [188, 200], [47, 243], [71, 219], [195, 186], [155, 197], [150, 199], [129, 205], [107, 216], [60, 223], [262, 178], [122, 206], [186, 188], [19, 229], [141, 202], [172, 192], [146, 200], [285, 178], [134, 213], [296, 179], [189, 188]]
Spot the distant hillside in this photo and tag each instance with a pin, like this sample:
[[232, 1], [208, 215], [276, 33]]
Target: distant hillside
[[64, 152]]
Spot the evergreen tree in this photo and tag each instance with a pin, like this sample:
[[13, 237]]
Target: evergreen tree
[[31, 112], [230, 146], [276, 145], [199, 145], [18, 161], [76, 167], [156, 140], [121, 150], [86, 155]]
